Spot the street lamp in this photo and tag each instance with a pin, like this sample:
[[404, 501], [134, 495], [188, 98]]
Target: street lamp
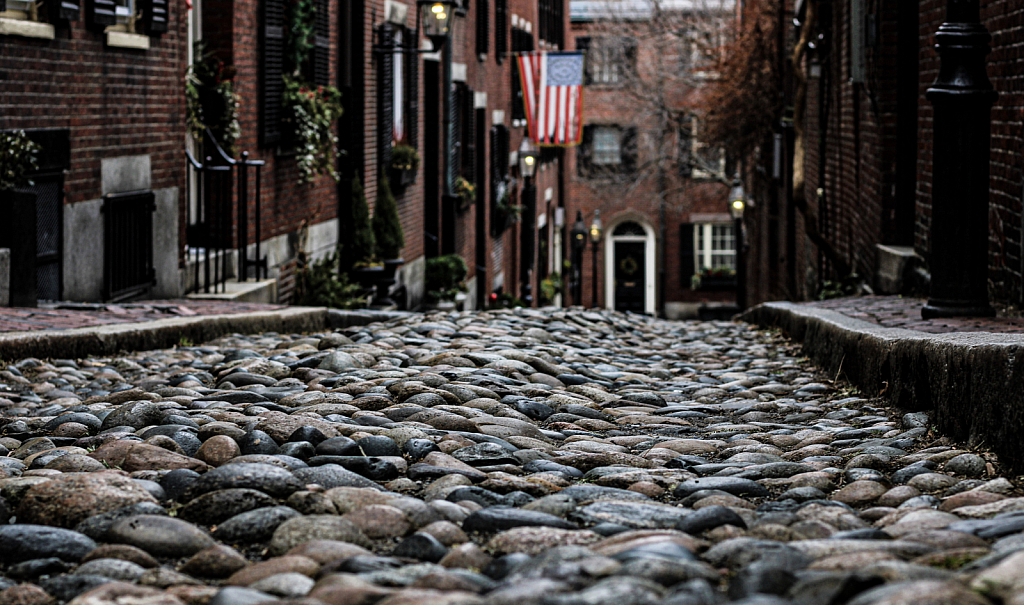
[[435, 18], [579, 242], [595, 241], [527, 159], [527, 168], [962, 97], [737, 204]]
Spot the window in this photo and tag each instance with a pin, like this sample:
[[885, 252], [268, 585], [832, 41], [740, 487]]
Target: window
[[610, 60], [708, 161], [30, 10], [714, 247], [607, 150], [551, 18], [607, 146]]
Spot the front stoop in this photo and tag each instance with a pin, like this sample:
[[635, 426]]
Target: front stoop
[[256, 291]]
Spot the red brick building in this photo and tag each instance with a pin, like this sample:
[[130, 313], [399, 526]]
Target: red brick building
[[868, 152], [391, 94], [101, 91], [668, 244]]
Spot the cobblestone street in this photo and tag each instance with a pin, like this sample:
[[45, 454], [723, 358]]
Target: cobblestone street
[[550, 457]]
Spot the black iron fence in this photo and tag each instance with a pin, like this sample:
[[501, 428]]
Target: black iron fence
[[222, 185]]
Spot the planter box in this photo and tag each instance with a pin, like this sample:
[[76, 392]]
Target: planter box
[[400, 178], [717, 283]]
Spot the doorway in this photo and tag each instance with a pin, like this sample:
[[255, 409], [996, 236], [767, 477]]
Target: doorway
[[630, 268]]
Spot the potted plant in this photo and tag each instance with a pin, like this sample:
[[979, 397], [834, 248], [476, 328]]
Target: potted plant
[[711, 280], [357, 248], [443, 280], [465, 191], [404, 162], [506, 213], [390, 240], [550, 288], [18, 205]]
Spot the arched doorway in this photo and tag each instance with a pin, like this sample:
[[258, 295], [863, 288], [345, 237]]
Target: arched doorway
[[629, 270]]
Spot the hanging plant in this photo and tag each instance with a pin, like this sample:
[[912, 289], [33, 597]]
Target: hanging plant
[[211, 101], [466, 192], [404, 157], [17, 159], [310, 110]]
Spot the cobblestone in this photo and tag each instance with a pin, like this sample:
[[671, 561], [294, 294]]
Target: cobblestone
[[540, 457]]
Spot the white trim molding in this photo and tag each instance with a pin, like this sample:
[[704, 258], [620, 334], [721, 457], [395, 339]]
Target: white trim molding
[[650, 258]]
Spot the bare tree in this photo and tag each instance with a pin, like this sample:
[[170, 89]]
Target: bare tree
[[656, 58]]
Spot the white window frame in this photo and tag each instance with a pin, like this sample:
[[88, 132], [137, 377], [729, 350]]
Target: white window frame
[[714, 242], [699, 151], [610, 132]]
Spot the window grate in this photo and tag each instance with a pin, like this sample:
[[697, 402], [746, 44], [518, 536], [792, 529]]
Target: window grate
[[128, 245]]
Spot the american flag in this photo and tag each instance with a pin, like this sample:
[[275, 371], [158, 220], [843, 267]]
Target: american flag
[[553, 96]]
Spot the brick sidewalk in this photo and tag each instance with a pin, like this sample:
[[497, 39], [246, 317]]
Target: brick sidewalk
[[63, 316], [900, 312]]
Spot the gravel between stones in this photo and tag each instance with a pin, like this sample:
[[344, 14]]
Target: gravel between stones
[[512, 457]]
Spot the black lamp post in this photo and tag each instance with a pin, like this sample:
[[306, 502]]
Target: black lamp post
[[962, 97], [579, 242], [527, 168], [595, 241], [737, 204]]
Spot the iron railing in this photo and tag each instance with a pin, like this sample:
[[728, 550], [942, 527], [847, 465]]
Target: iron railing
[[211, 226]]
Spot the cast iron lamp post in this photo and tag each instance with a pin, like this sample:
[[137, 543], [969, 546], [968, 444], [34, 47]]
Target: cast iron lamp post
[[595, 241], [579, 242], [962, 97], [737, 204], [435, 17], [527, 168]]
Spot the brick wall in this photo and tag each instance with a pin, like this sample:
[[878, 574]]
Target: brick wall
[[635, 196], [115, 101]]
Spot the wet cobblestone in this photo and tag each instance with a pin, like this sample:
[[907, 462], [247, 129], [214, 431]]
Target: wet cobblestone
[[551, 457]]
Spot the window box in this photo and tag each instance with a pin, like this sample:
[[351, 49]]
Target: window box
[[126, 40], [715, 283], [25, 28], [401, 177]]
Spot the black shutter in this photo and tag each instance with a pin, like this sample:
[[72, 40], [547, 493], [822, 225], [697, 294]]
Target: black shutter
[[273, 71], [558, 22], [385, 97], [67, 10], [483, 29], [628, 150], [3, 5], [686, 264], [543, 14], [157, 16], [101, 12], [583, 43], [412, 98], [468, 137], [584, 151], [685, 151], [629, 60], [518, 108], [455, 165], [322, 45], [500, 29]]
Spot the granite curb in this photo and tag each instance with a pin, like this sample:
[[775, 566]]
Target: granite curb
[[162, 333], [971, 382]]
